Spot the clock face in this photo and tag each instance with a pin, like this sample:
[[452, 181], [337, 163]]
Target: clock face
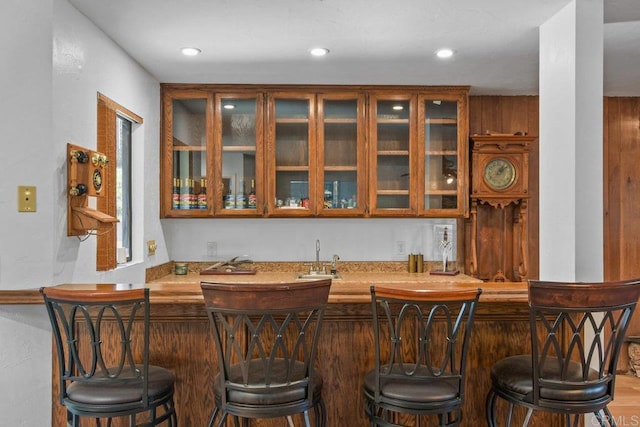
[[499, 174], [97, 180]]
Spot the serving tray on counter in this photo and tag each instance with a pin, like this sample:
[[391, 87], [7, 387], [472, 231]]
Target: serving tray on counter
[[216, 271]]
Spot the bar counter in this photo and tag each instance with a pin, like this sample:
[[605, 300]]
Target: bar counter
[[181, 339]]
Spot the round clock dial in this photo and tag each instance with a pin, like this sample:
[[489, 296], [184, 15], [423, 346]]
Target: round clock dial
[[97, 180], [499, 173]]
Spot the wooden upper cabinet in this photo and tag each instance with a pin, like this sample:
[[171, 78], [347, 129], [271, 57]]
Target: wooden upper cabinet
[[392, 161], [316, 154], [303, 151], [238, 160], [187, 131], [442, 154], [341, 155], [419, 153], [291, 159]]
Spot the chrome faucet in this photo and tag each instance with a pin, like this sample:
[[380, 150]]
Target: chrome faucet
[[318, 267], [334, 264]]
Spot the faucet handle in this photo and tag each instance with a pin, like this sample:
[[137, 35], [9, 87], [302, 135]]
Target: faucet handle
[[310, 265]]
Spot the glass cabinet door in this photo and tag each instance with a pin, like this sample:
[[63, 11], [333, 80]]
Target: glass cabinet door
[[239, 177], [391, 158], [188, 141], [441, 139], [291, 165], [341, 155]]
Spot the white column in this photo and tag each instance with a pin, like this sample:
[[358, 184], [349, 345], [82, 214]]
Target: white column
[[571, 151]]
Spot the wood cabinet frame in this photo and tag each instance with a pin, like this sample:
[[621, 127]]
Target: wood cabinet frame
[[462, 148], [361, 154], [167, 151], [272, 168], [216, 184], [377, 189], [368, 185]]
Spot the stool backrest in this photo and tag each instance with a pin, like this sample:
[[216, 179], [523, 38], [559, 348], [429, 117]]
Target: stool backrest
[[100, 335], [577, 330], [422, 334], [268, 332]]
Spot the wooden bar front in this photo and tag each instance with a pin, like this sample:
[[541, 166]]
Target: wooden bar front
[[181, 341]]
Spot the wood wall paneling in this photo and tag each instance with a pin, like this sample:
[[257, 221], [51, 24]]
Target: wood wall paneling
[[181, 341], [505, 114], [622, 196], [621, 126]]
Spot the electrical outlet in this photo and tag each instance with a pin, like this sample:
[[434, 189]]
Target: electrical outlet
[[400, 247], [212, 249]]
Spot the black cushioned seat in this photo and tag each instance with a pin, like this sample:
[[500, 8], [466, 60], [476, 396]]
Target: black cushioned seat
[[414, 390], [102, 348], [266, 337], [122, 390], [514, 374], [420, 342], [255, 393], [576, 333]]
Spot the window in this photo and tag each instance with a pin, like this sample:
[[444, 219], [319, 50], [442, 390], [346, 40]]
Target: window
[[116, 126], [123, 188]]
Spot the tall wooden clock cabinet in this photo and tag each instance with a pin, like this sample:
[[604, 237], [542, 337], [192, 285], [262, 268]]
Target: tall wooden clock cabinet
[[499, 196]]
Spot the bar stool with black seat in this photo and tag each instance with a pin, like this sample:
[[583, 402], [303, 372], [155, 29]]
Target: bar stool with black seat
[[421, 340], [101, 337], [576, 333], [266, 337]]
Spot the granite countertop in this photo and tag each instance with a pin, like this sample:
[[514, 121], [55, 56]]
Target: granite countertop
[[353, 287]]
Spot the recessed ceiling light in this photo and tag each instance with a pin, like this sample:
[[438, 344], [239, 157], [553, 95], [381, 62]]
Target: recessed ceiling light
[[191, 51], [319, 51], [444, 53]]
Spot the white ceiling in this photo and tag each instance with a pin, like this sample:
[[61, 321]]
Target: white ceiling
[[371, 41]]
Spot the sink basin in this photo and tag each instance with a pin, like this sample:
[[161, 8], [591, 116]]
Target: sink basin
[[309, 276]]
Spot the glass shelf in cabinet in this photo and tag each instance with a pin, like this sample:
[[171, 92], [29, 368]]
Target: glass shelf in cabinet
[[393, 152], [440, 193], [392, 192], [189, 148], [440, 121], [292, 120], [239, 148], [292, 168], [388, 121], [434, 153], [340, 120], [346, 168]]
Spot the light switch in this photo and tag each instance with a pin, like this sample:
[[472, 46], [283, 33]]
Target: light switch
[[151, 247], [26, 198]]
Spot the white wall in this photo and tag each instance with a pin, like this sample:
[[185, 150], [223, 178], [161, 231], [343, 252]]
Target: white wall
[[281, 239], [86, 62], [54, 63], [26, 243], [571, 153]]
